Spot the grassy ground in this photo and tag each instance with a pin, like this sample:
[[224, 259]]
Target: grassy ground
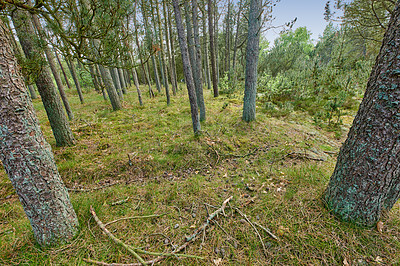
[[275, 169]]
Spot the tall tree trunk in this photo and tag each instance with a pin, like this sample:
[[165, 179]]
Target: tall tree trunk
[[171, 40], [18, 51], [186, 68], [214, 73], [162, 55], [51, 101], [228, 41], [167, 42], [62, 70], [122, 80], [252, 53], [135, 78], [111, 91], [366, 179], [27, 157], [72, 70], [205, 53], [145, 73], [198, 66], [94, 79], [235, 44], [50, 60], [115, 78], [101, 81]]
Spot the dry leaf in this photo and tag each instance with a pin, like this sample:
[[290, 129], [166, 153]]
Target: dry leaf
[[379, 260], [379, 226], [217, 261], [345, 262]]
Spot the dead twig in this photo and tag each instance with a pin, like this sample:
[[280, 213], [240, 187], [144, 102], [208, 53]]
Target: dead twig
[[189, 240], [267, 231], [135, 217], [255, 229], [120, 202], [116, 240]]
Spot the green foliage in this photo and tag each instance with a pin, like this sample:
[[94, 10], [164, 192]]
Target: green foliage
[[324, 80]]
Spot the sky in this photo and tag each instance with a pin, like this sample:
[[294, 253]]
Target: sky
[[309, 13]]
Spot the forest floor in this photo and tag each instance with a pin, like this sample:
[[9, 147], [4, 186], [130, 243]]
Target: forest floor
[[145, 161]]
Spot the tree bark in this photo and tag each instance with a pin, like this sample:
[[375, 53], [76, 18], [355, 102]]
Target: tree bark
[[27, 157], [366, 179], [252, 53], [187, 68], [135, 78], [50, 59], [111, 91], [214, 74], [51, 101], [171, 40], [197, 56], [167, 42], [62, 70]]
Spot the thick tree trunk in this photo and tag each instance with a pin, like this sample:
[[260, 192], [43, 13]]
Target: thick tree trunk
[[50, 59], [252, 53], [111, 91], [51, 101], [366, 180], [117, 84], [214, 74], [187, 68], [27, 157]]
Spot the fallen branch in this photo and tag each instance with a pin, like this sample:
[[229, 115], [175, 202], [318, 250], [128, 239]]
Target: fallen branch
[[190, 239], [135, 217], [255, 229], [116, 240]]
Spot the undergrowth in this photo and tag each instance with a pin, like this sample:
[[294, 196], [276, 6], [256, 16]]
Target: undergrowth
[[275, 169]]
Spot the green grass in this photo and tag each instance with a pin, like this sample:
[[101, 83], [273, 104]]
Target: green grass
[[173, 173]]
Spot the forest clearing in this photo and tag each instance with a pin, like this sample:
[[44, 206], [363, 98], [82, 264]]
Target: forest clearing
[[176, 133]]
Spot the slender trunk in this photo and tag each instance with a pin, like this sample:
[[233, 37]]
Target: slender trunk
[[28, 159], [167, 42], [101, 82], [252, 53], [94, 78], [122, 80], [62, 70], [186, 68], [162, 55], [366, 179], [205, 53], [72, 69], [137, 87], [50, 60], [228, 39], [171, 40], [212, 48], [145, 73], [198, 66], [51, 101], [236, 39]]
